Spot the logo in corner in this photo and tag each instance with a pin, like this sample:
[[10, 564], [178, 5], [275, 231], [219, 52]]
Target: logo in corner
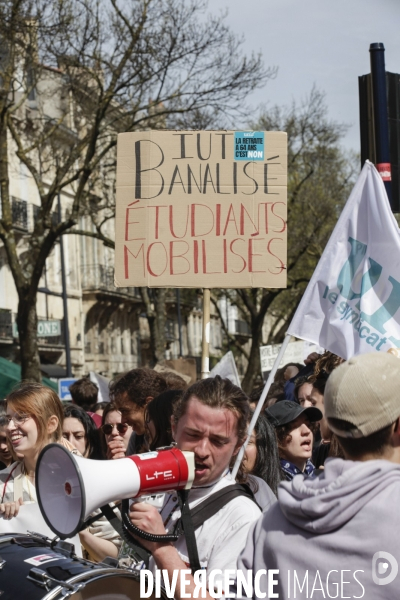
[[381, 561]]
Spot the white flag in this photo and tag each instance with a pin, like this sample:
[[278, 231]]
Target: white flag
[[226, 368], [351, 305], [102, 384]]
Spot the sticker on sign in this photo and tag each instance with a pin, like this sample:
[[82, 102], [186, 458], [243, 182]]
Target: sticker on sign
[[249, 145]]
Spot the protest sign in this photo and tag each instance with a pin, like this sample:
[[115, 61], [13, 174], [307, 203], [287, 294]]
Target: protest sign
[[296, 352], [201, 209], [351, 305]]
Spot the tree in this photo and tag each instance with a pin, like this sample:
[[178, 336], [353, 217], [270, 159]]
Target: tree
[[320, 177], [73, 74]]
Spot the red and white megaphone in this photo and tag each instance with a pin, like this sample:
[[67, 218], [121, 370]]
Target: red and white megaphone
[[69, 488]]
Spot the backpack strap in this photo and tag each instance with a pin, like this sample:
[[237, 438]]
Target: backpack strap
[[188, 530], [192, 519], [209, 507]]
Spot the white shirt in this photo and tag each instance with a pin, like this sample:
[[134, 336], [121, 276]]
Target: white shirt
[[221, 538]]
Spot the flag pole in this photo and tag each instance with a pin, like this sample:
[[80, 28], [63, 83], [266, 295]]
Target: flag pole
[[260, 404]]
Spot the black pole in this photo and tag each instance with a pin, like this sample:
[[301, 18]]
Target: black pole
[[381, 127], [64, 297], [178, 306]]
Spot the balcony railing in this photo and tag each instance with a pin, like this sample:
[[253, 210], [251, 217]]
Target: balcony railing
[[35, 214], [101, 277], [6, 327], [25, 214], [19, 211]]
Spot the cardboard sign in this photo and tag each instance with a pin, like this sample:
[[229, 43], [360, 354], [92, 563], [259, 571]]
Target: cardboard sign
[[296, 352], [201, 209]]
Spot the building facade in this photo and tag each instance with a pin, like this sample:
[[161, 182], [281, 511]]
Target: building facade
[[108, 328]]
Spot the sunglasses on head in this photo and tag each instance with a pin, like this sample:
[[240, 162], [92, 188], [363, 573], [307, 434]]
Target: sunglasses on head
[[121, 428]]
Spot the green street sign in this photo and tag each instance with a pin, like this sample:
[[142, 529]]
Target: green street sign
[[44, 329]]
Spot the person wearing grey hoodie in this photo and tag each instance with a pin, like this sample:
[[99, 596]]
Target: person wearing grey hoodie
[[337, 535]]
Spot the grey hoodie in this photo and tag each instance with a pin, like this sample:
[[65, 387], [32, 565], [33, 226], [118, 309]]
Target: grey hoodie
[[324, 535]]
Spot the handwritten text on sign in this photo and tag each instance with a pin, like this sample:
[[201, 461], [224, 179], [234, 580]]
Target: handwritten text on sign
[[194, 211]]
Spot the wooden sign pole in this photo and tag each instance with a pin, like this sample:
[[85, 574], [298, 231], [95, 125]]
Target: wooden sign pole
[[205, 349]]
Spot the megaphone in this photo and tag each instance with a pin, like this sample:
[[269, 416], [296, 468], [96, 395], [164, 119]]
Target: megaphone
[[69, 488]]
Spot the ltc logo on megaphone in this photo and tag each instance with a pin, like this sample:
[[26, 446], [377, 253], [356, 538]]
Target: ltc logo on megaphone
[[164, 474], [69, 488]]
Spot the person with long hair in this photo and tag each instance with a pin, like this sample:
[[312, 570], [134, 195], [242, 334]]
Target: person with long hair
[[99, 539], [34, 419], [115, 433], [261, 457], [81, 432], [158, 418]]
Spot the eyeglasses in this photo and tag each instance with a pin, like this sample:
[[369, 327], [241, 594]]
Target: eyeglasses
[[121, 428], [16, 419]]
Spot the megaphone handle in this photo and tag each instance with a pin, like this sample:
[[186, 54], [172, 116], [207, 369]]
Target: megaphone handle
[[135, 531], [187, 524]]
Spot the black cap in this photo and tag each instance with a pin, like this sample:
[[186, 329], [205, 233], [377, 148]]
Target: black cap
[[286, 411]]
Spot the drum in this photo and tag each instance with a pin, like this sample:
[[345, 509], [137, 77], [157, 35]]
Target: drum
[[33, 567]]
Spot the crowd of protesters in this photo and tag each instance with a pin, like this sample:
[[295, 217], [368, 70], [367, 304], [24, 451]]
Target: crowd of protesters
[[312, 415]]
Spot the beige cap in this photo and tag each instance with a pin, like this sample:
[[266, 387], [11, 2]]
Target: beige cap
[[365, 392]]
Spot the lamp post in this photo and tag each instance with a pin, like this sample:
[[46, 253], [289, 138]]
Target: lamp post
[[64, 296], [381, 127]]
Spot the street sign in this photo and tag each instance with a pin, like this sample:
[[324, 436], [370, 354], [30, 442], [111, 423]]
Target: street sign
[[44, 328], [63, 388], [49, 328]]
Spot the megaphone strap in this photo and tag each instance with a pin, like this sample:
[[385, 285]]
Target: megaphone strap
[[209, 507], [188, 530]]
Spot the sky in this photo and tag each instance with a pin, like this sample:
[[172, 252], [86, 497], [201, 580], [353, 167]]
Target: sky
[[321, 42]]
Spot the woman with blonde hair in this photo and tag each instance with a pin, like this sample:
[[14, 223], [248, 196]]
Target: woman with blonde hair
[[34, 419]]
